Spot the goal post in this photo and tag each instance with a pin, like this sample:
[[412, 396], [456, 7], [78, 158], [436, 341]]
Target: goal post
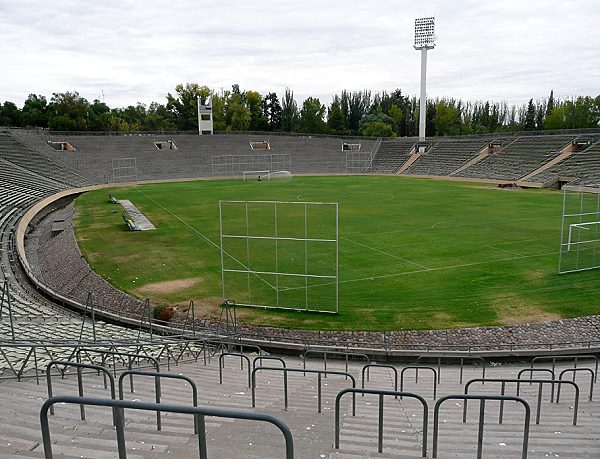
[[580, 234], [255, 175], [280, 254]]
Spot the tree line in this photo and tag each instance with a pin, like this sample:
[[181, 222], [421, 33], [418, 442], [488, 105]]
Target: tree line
[[381, 114]]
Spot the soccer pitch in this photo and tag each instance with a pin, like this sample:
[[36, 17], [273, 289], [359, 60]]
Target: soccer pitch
[[413, 253]]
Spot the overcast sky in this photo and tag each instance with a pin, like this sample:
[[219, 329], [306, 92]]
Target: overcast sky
[[137, 51]]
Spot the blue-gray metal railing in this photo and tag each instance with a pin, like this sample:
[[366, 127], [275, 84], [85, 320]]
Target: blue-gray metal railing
[[574, 357], [118, 407], [325, 353], [285, 372], [541, 382], [482, 399], [531, 371], [78, 366], [417, 368], [368, 366], [446, 358], [157, 394], [381, 394], [260, 358], [222, 364], [577, 370]]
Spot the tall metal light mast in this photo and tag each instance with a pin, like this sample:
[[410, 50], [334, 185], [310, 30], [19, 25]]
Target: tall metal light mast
[[424, 40]]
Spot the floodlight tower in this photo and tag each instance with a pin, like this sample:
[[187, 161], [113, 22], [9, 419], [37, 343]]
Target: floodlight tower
[[424, 40]]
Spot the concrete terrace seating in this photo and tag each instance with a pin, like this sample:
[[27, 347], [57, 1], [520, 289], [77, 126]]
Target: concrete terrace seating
[[519, 158], [583, 164], [447, 155], [313, 432], [391, 154], [97, 156], [19, 154]]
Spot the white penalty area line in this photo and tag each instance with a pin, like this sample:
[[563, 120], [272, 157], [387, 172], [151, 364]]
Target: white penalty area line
[[385, 253], [203, 236]]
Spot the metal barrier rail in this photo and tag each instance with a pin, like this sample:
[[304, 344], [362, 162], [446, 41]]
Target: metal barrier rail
[[482, 399], [199, 413], [129, 355], [222, 364], [541, 382], [417, 368], [378, 365], [300, 370], [267, 357], [577, 370], [381, 393], [462, 358], [573, 357], [325, 353], [79, 366], [38, 354], [157, 394], [536, 370]]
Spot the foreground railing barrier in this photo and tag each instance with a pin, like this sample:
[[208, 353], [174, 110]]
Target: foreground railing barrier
[[118, 407]]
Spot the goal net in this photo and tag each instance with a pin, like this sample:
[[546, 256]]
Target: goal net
[[256, 175], [580, 237], [278, 254]]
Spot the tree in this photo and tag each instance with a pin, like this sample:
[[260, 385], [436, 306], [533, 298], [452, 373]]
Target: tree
[[378, 124], [258, 119], [447, 118], [335, 117], [272, 110], [312, 116], [237, 113], [35, 112], [158, 118], [184, 105], [10, 115], [529, 123], [289, 111], [68, 111]]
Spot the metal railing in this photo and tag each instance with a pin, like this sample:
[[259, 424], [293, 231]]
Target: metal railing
[[447, 358], [574, 371], [417, 368], [199, 413], [541, 383], [285, 372], [574, 357], [531, 371], [78, 366], [325, 353], [157, 391], [381, 394], [260, 358], [222, 364], [378, 365], [482, 399]]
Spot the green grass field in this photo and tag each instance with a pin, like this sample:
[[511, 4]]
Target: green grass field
[[414, 253]]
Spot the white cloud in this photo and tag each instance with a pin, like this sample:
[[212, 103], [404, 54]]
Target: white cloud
[[139, 50]]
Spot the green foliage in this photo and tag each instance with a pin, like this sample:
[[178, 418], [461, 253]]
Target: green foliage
[[289, 111], [312, 116], [163, 313], [378, 125], [10, 115]]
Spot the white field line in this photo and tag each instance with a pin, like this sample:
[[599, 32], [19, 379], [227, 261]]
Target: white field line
[[385, 253], [504, 250], [206, 238]]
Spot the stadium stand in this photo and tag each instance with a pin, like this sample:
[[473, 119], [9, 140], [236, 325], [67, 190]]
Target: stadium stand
[[447, 155], [522, 156], [584, 163], [35, 330], [391, 154]]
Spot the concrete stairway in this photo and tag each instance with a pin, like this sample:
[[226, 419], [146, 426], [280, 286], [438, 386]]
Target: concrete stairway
[[313, 432]]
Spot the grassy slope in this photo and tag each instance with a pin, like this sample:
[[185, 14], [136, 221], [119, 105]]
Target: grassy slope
[[449, 253]]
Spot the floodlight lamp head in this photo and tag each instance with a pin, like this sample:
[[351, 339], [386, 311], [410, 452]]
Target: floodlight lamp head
[[425, 33]]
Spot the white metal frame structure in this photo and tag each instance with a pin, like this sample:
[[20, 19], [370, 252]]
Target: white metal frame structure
[[424, 41], [236, 164], [124, 170], [237, 227], [580, 231], [266, 174], [358, 162]]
